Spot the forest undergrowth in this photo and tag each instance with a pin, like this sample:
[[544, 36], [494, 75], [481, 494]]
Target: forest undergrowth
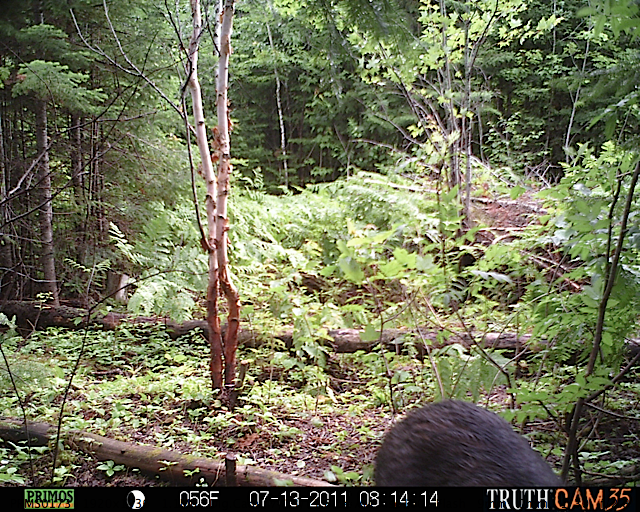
[[369, 253]]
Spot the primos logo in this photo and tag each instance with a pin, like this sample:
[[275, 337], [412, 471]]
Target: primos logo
[[49, 498]]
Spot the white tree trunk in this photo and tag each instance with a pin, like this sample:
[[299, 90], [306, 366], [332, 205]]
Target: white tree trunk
[[283, 136], [198, 118], [210, 200], [224, 171], [217, 193]]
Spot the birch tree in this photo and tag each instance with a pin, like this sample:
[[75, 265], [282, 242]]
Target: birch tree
[[224, 172], [217, 193]]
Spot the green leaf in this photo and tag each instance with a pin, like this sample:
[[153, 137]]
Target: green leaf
[[351, 269], [370, 333], [516, 192]]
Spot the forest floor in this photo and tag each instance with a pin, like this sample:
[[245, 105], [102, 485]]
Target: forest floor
[[329, 430], [320, 443]]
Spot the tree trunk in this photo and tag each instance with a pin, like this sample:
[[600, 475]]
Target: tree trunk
[[6, 254], [47, 258], [283, 136], [76, 157], [77, 166], [210, 200], [222, 221], [216, 199]]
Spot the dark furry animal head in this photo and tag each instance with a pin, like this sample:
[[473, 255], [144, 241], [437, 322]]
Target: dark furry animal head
[[455, 443]]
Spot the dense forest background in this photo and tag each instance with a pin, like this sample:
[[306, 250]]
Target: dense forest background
[[446, 168]]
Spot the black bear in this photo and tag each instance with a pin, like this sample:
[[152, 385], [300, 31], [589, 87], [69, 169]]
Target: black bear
[[455, 443]]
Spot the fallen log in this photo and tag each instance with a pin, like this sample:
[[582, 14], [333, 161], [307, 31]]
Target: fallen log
[[35, 315], [171, 466], [30, 316]]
